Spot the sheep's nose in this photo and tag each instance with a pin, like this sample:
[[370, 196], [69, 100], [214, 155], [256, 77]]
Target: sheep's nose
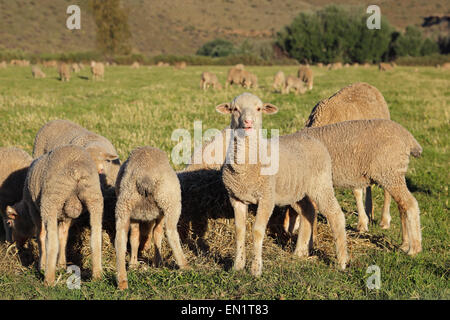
[[248, 122]]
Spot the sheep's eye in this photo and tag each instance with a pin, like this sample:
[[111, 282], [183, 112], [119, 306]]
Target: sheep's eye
[[258, 109]]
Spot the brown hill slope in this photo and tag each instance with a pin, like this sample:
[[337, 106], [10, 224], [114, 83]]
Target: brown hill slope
[[179, 26]]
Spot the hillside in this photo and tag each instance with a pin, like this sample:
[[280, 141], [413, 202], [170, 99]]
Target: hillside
[[182, 26]]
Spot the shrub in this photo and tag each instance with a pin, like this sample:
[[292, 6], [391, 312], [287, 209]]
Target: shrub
[[216, 48]]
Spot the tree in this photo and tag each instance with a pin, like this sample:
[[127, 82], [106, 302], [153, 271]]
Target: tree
[[216, 48], [113, 33]]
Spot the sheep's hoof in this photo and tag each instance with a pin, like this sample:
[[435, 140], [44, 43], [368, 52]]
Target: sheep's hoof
[[123, 285], [405, 247], [385, 225], [96, 275], [49, 282], [256, 269], [362, 227], [239, 265], [302, 254]]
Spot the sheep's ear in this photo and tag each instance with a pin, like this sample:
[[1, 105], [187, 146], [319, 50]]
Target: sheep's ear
[[109, 156], [11, 213], [269, 108], [224, 108]]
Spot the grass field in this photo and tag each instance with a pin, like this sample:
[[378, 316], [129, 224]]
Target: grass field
[[142, 107]]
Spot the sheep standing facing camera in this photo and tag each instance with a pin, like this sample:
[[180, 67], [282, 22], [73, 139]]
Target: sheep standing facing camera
[[58, 186], [148, 191], [303, 175]]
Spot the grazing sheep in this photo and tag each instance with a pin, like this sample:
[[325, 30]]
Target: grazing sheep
[[3, 65], [294, 83], [209, 79], [148, 190], [351, 145], [37, 72], [347, 65], [14, 164], [50, 64], [366, 65], [249, 80], [357, 101], [135, 65], [75, 67], [180, 65], [446, 66], [306, 75], [64, 72], [384, 66], [98, 70], [320, 65], [335, 66], [278, 81], [57, 133], [58, 186], [303, 175], [239, 66], [162, 64], [235, 76]]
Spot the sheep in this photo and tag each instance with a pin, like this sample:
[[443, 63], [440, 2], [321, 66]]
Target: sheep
[[294, 83], [37, 72], [446, 66], [57, 187], [56, 133], [209, 78], [50, 64], [14, 164], [249, 80], [335, 66], [148, 190], [351, 145], [306, 75], [75, 67], [240, 66], [320, 65], [357, 101], [64, 72], [180, 65], [279, 80], [135, 65], [303, 175], [384, 66], [235, 76], [98, 70], [3, 65]]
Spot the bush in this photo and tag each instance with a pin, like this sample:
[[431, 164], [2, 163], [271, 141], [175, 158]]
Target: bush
[[216, 48], [431, 60]]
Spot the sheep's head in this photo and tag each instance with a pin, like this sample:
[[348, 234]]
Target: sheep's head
[[107, 164], [246, 111], [18, 220]]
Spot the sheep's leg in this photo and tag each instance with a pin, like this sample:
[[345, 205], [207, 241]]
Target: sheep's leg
[[363, 220], [42, 236], [134, 244], [410, 216], [120, 243], [329, 206], [263, 213], [51, 243], [146, 235], [172, 215], [95, 208], [240, 218], [385, 215], [63, 233], [157, 239], [369, 203], [306, 214]]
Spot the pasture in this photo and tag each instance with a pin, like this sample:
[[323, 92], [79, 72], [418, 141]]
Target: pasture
[[136, 107]]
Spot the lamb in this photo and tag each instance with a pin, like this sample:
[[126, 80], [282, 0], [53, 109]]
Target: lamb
[[306, 75], [294, 83], [384, 66], [98, 70], [357, 101], [61, 132], [37, 72], [64, 72], [278, 81], [209, 79], [57, 187], [148, 190], [303, 175], [14, 164], [351, 145]]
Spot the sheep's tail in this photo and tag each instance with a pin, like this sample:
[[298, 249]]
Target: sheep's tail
[[145, 186], [416, 149]]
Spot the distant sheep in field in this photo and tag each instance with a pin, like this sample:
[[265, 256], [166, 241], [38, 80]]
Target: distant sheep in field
[[75, 67], [20, 63], [64, 72], [239, 66], [293, 82], [209, 79], [58, 186], [180, 65], [235, 76], [278, 81], [306, 75], [320, 65], [3, 65], [335, 66], [162, 64], [249, 80], [57, 133], [384, 66], [148, 191], [50, 64], [135, 65], [98, 70], [14, 164], [446, 66], [37, 72]]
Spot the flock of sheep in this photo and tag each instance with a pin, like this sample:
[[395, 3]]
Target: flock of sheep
[[349, 141]]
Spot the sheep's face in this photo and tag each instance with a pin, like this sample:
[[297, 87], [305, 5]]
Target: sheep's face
[[246, 111], [20, 230], [107, 164]]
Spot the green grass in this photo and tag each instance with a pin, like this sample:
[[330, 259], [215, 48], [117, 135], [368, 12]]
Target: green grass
[[142, 107]]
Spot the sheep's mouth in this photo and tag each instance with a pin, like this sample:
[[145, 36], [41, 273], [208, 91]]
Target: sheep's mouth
[[248, 128]]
